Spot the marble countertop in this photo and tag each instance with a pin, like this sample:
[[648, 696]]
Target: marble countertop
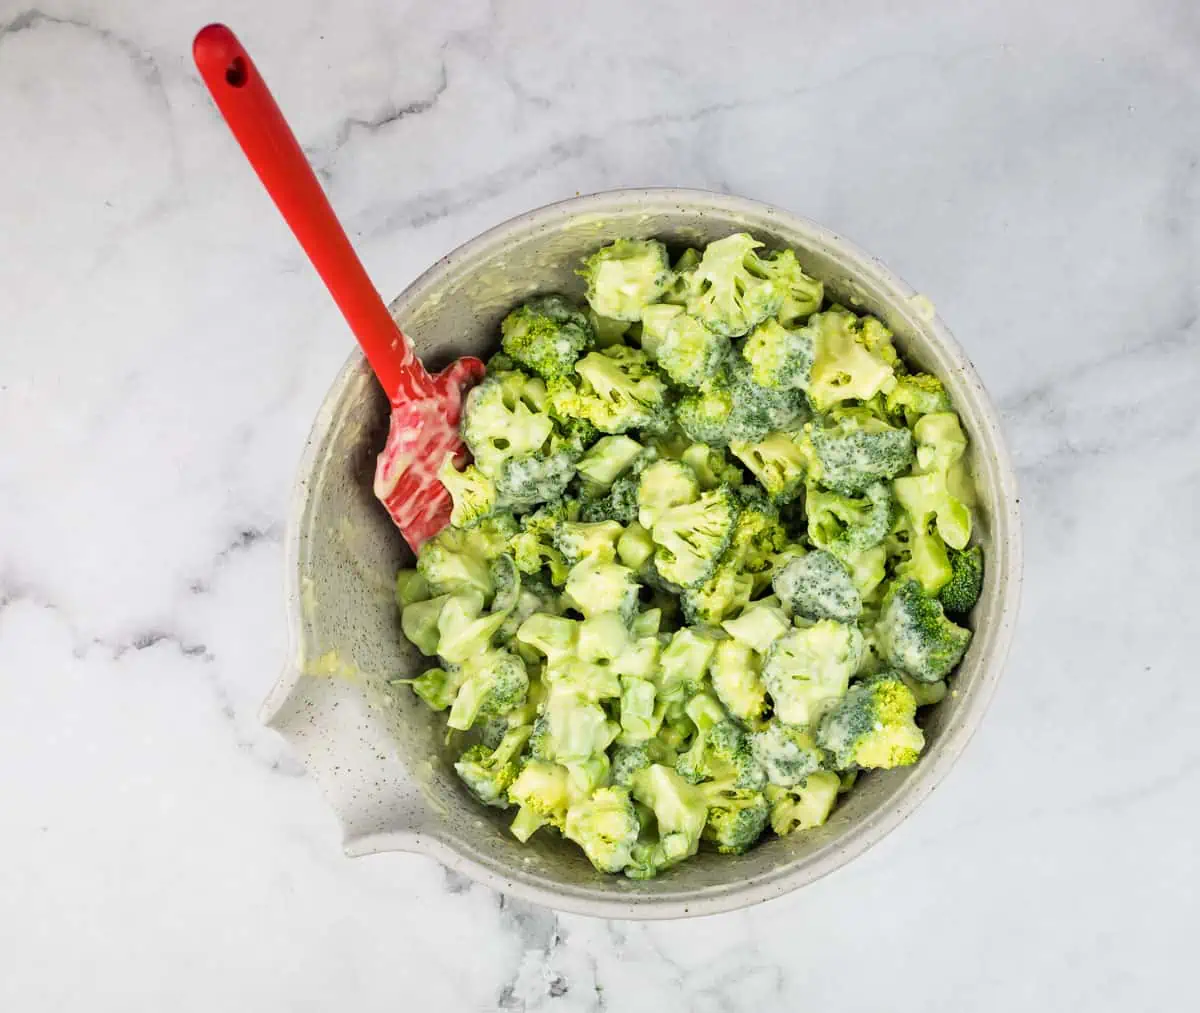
[[1031, 166]]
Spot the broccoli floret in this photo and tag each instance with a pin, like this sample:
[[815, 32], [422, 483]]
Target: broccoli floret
[[605, 826], [680, 811], [547, 335], [757, 538], [786, 753], [608, 459], [918, 553], [451, 562], [818, 586], [578, 541], [663, 485], [730, 291], [926, 495], [805, 806], [779, 359], [724, 593], [708, 414], [941, 441], [731, 408], [490, 537], [687, 351], [872, 726], [541, 791], [463, 632], [692, 536], [848, 523], [489, 773], [529, 479], [736, 818], [737, 682], [759, 626], [855, 449], [554, 636], [436, 686], [626, 276], [684, 663], [419, 622], [620, 504], [571, 728], [496, 683], [594, 587], [962, 592], [618, 390], [915, 395], [808, 669], [925, 693], [867, 568], [780, 462], [720, 749], [711, 466], [853, 357], [681, 277], [505, 417], [506, 584], [915, 635], [627, 760], [802, 294], [410, 587], [533, 548]]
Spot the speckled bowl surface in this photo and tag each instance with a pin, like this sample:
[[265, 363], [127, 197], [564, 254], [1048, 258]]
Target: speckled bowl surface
[[378, 753]]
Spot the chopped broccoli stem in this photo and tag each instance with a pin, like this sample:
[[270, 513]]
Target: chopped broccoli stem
[[805, 806], [608, 459], [737, 681], [605, 826]]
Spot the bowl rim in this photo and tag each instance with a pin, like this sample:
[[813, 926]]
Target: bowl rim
[[864, 834]]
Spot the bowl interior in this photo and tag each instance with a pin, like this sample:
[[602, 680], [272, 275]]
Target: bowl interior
[[380, 754]]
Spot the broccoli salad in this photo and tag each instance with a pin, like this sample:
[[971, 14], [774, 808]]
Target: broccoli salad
[[712, 553]]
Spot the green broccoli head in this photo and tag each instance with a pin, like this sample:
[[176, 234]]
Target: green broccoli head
[[721, 752], [533, 548], [849, 523], [736, 818], [872, 726], [779, 359], [505, 417], [541, 791], [959, 596], [730, 291], [594, 587], [619, 504], [802, 295], [808, 669], [727, 591], [626, 276], [737, 681], [915, 635], [684, 348], [618, 390], [853, 357], [471, 491], [526, 480], [915, 395], [496, 683], [855, 449], [489, 773], [786, 753], [547, 335], [707, 414], [731, 408], [918, 553], [571, 728], [451, 562], [780, 462], [931, 506], [805, 806], [627, 760], [579, 540], [605, 826], [683, 664], [692, 536], [818, 586]]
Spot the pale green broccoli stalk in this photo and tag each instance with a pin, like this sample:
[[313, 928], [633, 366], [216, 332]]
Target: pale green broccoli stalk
[[686, 350], [780, 462], [608, 459], [680, 811], [635, 547], [962, 591], [926, 495], [692, 536], [554, 636], [684, 663], [533, 548], [872, 726], [410, 587], [711, 467], [759, 626], [787, 754], [925, 693], [681, 278], [805, 806], [540, 789], [419, 622], [730, 291], [605, 826], [640, 718], [725, 592], [802, 295], [663, 485], [597, 541], [608, 331], [547, 335], [915, 635], [720, 749], [489, 773], [463, 632], [867, 568], [853, 357], [603, 639], [779, 359], [736, 680], [505, 417], [818, 586], [627, 760], [436, 686], [451, 562], [496, 683], [941, 442], [915, 395], [618, 390], [807, 670], [919, 553], [626, 276], [594, 587], [592, 682], [848, 523], [855, 449]]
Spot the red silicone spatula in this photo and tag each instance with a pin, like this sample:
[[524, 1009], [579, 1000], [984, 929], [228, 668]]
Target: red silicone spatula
[[425, 409]]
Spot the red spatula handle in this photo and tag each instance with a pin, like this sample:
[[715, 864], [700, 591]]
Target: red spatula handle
[[271, 148]]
